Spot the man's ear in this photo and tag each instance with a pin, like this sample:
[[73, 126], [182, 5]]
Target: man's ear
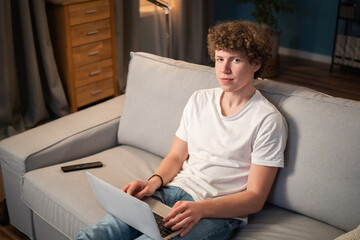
[[256, 64]]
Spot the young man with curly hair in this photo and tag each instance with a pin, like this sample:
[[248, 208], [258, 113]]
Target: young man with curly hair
[[227, 149]]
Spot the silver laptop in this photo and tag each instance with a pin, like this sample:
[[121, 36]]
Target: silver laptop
[[139, 214]]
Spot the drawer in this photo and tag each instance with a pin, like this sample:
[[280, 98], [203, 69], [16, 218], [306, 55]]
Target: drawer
[[88, 12], [94, 92], [91, 53], [93, 72], [90, 32]]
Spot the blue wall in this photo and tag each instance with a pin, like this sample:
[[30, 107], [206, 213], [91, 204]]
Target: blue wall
[[310, 28]]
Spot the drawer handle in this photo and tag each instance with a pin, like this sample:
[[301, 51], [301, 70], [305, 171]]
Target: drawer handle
[[93, 32], [94, 73], [96, 92], [93, 53], [91, 11]]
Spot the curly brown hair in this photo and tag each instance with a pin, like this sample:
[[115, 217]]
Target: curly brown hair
[[252, 39]]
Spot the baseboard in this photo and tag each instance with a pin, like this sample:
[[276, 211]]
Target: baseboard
[[305, 55]]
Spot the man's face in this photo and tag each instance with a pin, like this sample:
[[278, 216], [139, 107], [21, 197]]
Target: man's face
[[234, 71]]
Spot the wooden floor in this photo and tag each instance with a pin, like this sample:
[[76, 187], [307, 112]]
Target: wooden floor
[[9, 232], [342, 82]]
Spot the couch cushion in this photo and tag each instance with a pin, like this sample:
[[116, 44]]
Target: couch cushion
[[277, 223], [66, 201], [149, 120], [322, 168]]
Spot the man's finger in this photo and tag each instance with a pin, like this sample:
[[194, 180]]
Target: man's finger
[[142, 193], [124, 189], [186, 229], [175, 211], [133, 189]]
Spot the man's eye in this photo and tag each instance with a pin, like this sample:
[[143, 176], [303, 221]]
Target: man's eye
[[237, 60], [219, 59]]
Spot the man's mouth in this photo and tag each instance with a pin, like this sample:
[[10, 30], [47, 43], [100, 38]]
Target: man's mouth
[[226, 80]]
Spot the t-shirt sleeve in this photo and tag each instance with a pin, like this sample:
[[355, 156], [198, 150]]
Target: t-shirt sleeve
[[182, 131], [270, 141]]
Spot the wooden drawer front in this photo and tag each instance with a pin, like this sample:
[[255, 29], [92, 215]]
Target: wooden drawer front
[[94, 92], [91, 53], [93, 72], [90, 32], [88, 12]]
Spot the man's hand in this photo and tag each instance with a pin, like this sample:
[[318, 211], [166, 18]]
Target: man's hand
[[140, 189], [184, 215]]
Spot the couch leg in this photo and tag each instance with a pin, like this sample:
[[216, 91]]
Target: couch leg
[[4, 214]]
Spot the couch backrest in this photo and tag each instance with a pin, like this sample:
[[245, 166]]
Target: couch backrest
[[322, 166], [321, 178], [156, 93]]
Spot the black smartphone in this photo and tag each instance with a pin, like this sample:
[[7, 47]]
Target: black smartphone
[[81, 166]]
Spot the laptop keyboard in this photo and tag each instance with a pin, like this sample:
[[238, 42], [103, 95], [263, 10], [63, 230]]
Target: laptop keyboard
[[163, 230]]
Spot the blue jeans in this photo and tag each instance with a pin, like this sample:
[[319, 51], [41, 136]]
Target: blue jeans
[[111, 228]]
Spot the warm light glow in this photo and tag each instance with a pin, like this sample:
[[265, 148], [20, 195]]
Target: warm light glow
[[148, 8]]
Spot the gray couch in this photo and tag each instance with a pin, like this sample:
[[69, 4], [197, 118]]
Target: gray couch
[[316, 195]]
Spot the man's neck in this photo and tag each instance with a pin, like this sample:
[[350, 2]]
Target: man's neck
[[232, 102]]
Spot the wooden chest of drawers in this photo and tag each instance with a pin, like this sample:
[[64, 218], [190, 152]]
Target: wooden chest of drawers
[[83, 38]]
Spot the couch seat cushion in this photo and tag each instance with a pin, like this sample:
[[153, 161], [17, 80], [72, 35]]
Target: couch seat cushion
[[66, 201], [69, 205], [277, 223]]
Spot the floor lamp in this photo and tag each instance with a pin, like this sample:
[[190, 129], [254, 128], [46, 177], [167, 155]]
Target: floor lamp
[[166, 8]]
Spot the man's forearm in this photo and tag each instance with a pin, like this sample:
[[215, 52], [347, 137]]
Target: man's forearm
[[168, 169], [249, 201], [236, 205]]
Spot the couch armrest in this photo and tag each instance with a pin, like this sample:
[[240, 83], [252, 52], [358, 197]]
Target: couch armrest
[[74, 136]]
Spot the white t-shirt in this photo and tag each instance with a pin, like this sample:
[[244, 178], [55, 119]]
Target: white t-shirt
[[221, 148]]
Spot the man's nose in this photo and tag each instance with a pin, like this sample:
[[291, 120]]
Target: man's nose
[[226, 67]]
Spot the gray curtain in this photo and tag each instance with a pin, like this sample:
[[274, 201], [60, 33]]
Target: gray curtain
[[10, 117], [127, 32], [30, 88], [190, 21], [189, 24]]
